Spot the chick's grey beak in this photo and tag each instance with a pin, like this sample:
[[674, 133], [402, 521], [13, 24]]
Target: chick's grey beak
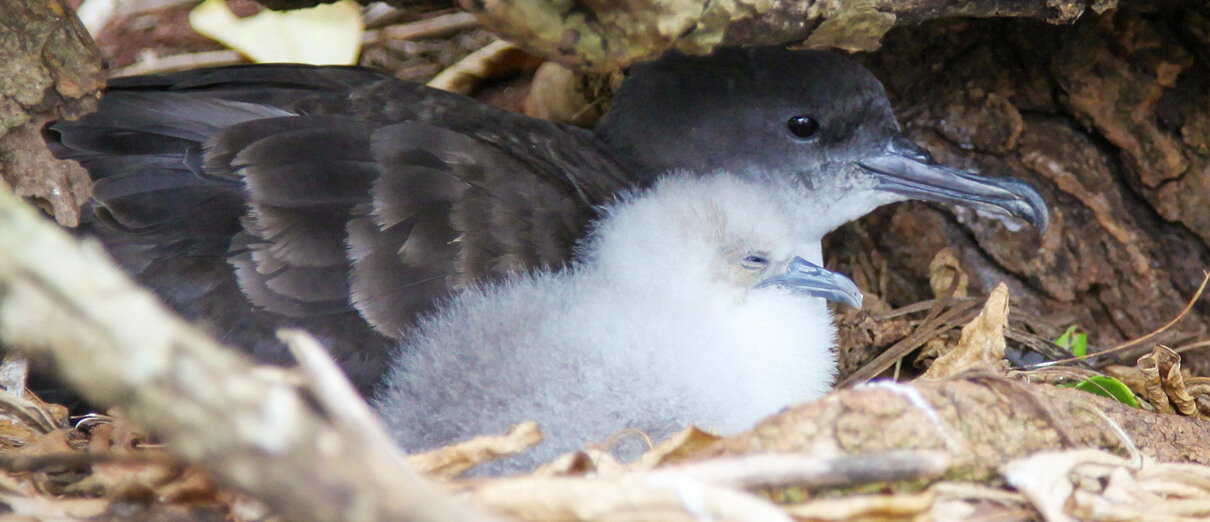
[[905, 168], [802, 276]]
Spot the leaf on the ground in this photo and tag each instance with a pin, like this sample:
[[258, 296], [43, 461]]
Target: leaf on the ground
[[1167, 387], [450, 461], [1107, 387], [866, 507], [1046, 477], [561, 95], [492, 61], [323, 35], [982, 342], [946, 277], [1075, 342], [1089, 484], [681, 445]]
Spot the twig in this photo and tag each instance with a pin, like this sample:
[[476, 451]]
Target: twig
[[937, 322], [435, 27], [789, 470], [23, 463], [1136, 341], [1191, 346], [179, 62]]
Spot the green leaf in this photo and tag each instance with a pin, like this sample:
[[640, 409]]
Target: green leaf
[[1079, 347], [1064, 340], [1077, 343], [1108, 387]]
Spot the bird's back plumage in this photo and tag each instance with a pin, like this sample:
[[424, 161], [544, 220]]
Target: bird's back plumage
[[335, 194]]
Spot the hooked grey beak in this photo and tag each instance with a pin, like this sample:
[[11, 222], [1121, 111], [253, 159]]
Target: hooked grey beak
[[802, 276], [907, 169]]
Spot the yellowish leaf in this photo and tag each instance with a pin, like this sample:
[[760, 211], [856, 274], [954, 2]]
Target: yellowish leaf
[[322, 35]]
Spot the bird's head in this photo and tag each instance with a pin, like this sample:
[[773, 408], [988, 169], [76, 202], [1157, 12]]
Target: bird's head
[[718, 235], [812, 119]]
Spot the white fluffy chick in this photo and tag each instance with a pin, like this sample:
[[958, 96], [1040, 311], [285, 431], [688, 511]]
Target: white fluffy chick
[[688, 304]]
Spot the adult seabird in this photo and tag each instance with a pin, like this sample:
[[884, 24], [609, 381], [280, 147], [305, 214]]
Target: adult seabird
[[346, 202], [686, 305]]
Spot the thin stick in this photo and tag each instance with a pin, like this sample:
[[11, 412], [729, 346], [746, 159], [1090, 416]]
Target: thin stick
[[179, 62], [1133, 342], [428, 28]]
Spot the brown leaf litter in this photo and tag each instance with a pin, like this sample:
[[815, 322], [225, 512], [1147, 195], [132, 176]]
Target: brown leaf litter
[[887, 450], [832, 459]]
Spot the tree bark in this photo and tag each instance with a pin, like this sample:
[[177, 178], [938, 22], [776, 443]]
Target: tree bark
[[49, 68], [981, 423], [603, 36], [1109, 118]]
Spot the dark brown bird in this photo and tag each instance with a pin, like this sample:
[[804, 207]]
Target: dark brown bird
[[346, 202]]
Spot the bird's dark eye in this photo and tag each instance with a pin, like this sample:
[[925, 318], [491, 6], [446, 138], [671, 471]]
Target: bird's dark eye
[[755, 262], [803, 126]]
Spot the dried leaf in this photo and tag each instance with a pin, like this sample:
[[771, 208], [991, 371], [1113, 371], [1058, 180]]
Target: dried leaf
[[52, 443], [1165, 385], [493, 60], [630, 497], [40, 507], [677, 448], [1045, 478], [946, 277], [117, 479], [561, 95], [576, 463], [982, 342], [864, 507], [322, 35], [1089, 484], [33, 413], [450, 461]]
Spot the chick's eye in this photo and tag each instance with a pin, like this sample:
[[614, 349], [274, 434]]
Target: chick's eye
[[755, 262], [803, 126]]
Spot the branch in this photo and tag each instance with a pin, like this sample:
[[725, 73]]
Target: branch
[[600, 36], [981, 422], [118, 345]]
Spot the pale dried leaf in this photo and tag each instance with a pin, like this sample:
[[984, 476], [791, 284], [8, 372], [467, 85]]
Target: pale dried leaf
[[861, 507], [322, 35], [569, 464], [116, 479], [676, 448], [630, 497], [982, 343], [450, 461], [1045, 478], [559, 94], [493, 60], [39, 507], [946, 277]]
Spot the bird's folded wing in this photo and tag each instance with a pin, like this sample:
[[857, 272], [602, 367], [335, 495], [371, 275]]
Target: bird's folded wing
[[302, 176], [330, 192], [385, 219]]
